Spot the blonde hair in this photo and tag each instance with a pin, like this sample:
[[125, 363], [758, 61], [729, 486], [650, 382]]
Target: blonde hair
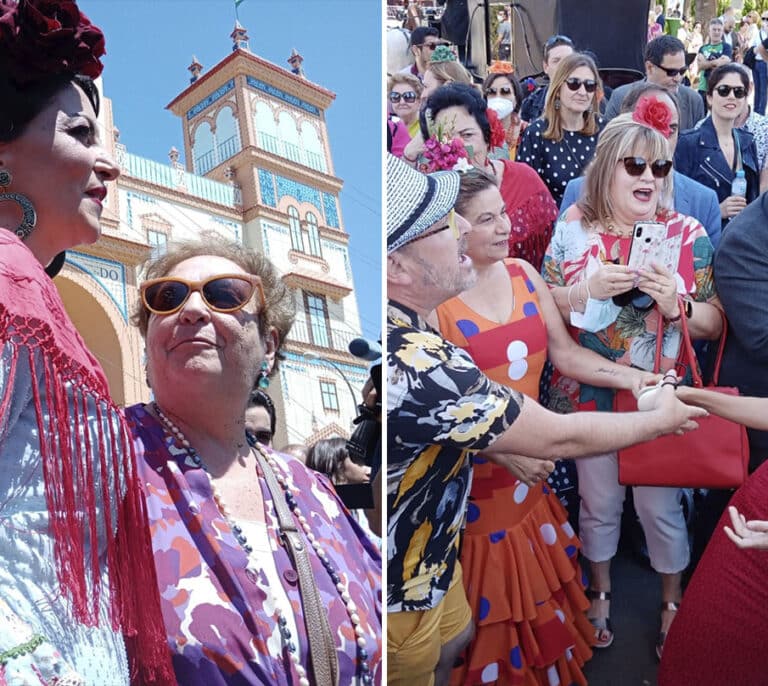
[[567, 66], [408, 80], [450, 72], [622, 137]]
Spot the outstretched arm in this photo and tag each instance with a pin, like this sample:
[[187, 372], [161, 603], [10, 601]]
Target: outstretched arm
[[750, 411], [537, 432]]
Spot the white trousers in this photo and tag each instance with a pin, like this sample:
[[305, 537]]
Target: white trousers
[[602, 499]]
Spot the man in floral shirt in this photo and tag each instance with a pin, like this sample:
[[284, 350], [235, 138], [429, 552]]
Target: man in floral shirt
[[441, 409]]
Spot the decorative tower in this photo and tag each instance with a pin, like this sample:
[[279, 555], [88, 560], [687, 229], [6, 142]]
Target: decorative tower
[[261, 129], [295, 61]]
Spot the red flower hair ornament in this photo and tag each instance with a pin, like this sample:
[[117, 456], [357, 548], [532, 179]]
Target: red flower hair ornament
[[44, 38], [498, 134], [653, 113]]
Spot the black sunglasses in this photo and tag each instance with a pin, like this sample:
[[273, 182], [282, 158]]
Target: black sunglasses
[[739, 92], [431, 46], [225, 293], [635, 166], [262, 436], [590, 85], [408, 96], [671, 72], [504, 90]]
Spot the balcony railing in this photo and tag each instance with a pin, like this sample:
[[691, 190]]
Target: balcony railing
[[174, 178], [291, 151], [324, 337]]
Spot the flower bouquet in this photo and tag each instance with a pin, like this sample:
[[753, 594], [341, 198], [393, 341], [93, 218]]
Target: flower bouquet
[[442, 151]]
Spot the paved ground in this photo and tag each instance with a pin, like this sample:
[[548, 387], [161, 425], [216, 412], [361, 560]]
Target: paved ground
[[631, 660]]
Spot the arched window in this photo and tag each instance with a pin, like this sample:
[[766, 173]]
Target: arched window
[[313, 236], [294, 227], [313, 147], [289, 135], [202, 149], [227, 135], [269, 139]]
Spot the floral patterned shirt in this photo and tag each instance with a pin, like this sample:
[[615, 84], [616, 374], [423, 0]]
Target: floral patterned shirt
[[221, 628], [575, 253], [440, 409]]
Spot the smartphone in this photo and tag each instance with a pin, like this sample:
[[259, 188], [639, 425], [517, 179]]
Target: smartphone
[[647, 245]]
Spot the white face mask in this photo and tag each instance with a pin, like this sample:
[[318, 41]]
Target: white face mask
[[598, 315]]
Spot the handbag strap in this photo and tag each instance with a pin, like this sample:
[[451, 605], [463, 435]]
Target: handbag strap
[[720, 347], [322, 647]]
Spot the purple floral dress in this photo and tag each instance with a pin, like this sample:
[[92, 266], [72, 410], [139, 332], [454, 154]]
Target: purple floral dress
[[220, 627]]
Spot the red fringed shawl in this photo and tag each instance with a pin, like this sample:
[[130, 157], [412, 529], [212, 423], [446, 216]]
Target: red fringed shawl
[[32, 320]]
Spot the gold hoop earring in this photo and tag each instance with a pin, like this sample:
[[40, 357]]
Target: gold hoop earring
[[29, 216]]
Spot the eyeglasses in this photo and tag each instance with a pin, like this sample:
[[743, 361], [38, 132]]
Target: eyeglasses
[[764, 18], [262, 436], [635, 166], [431, 46], [590, 85], [739, 92], [504, 90], [450, 225], [671, 72], [224, 293], [408, 96]]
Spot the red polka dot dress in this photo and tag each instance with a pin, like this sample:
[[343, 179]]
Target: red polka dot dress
[[519, 554]]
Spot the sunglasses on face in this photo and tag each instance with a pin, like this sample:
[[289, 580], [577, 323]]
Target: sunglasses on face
[[430, 46], [590, 85], [262, 436], [635, 166], [739, 92], [225, 293], [672, 72], [504, 90], [408, 96]]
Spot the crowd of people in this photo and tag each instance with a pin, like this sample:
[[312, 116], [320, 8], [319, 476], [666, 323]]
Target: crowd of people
[[510, 221]]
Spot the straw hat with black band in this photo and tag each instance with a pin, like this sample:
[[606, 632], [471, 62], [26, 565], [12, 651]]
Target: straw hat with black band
[[416, 201]]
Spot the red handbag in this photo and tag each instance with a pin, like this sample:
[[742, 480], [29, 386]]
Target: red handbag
[[715, 455]]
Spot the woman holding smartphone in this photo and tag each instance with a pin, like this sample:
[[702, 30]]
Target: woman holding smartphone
[[586, 267]]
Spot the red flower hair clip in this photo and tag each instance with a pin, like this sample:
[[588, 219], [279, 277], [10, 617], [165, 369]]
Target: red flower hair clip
[[498, 134], [653, 113], [43, 38]]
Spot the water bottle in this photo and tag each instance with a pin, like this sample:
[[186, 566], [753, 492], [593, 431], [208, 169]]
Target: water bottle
[[739, 184]]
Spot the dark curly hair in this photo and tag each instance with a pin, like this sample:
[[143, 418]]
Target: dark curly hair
[[457, 95]]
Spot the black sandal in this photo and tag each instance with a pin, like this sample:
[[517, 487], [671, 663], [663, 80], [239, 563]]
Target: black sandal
[[668, 606], [603, 629]]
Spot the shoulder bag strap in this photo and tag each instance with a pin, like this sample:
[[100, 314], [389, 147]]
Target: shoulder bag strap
[[322, 647]]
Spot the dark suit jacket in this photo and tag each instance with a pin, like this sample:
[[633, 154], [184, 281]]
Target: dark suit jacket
[[741, 279]]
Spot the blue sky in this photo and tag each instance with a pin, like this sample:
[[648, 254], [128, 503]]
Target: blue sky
[[150, 44]]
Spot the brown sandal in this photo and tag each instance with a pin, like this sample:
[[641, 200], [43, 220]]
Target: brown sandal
[[603, 629], [668, 606]]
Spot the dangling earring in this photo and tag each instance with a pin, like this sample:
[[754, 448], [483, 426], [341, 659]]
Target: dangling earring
[[557, 103], [263, 383], [29, 216]]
